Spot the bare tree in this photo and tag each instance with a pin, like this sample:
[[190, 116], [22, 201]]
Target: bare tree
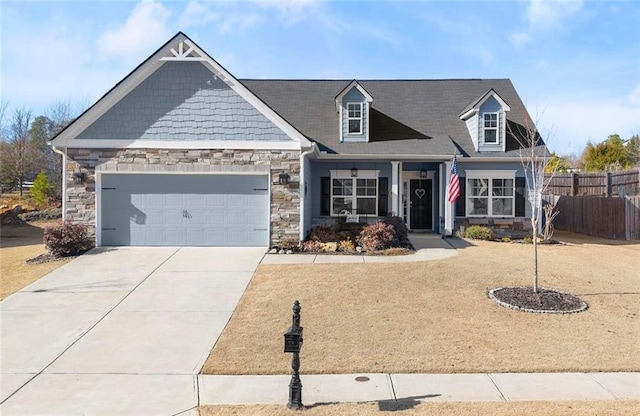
[[18, 157], [534, 158]]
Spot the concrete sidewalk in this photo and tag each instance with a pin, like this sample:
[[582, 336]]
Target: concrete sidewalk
[[273, 389], [428, 247]]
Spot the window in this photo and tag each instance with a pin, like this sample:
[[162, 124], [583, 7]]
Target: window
[[354, 195], [491, 128], [493, 197], [354, 118]]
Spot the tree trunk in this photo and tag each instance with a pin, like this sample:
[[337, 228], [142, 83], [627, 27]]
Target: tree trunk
[[534, 224]]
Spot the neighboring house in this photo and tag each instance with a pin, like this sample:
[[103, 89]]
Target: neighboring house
[[182, 153]]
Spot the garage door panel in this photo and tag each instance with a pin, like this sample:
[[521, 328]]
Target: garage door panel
[[199, 210], [237, 201], [172, 217]]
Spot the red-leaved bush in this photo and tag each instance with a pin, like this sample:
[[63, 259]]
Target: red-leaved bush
[[67, 239], [376, 236]]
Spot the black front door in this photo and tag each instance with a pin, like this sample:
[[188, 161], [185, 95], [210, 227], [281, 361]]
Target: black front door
[[421, 204]]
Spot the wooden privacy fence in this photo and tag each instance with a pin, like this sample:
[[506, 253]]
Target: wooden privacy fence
[[614, 218], [595, 184]]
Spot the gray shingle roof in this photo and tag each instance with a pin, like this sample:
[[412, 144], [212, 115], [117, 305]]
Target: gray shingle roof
[[408, 117]]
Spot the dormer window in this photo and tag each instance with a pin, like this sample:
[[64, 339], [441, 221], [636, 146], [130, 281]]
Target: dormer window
[[491, 128], [354, 118]]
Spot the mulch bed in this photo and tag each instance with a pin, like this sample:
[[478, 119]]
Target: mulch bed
[[46, 258], [544, 301]]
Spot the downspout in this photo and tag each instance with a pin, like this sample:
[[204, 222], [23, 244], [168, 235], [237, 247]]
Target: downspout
[[303, 186], [64, 179]]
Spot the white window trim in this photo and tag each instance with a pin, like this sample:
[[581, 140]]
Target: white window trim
[[354, 118], [490, 175], [496, 128], [346, 174]]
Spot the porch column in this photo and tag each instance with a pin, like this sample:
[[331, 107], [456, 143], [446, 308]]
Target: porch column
[[395, 187], [448, 206]]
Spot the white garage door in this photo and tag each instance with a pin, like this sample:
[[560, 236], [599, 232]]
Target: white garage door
[[184, 210]]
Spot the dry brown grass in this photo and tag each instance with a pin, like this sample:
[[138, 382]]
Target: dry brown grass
[[568, 408], [435, 317], [17, 244]]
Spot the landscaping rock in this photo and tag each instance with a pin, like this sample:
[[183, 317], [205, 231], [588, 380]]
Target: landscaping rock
[[330, 247], [47, 214]]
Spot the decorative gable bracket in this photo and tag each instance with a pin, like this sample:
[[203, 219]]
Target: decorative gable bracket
[[183, 55]]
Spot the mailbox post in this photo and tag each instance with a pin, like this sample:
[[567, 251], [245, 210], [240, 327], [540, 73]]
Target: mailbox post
[[293, 343]]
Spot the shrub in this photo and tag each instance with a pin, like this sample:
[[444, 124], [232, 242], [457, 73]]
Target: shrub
[[478, 232], [346, 245], [323, 233], [312, 246], [41, 190], [401, 231], [527, 240], [376, 236], [67, 239], [505, 239]]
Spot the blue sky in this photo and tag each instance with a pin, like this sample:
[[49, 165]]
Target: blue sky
[[576, 64]]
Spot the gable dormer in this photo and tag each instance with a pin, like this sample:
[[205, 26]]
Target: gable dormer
[[486, 122], [352, 106]]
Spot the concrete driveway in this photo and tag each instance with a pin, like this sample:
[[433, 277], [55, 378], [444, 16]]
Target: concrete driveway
[[119, 330]]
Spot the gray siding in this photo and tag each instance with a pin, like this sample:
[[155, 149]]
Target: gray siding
[[355, 96], [464, 167], [472, 125], [321, 169], [183, 101], [490, 106]]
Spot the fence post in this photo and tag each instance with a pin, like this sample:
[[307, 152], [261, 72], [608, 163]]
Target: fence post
[[609, 185], [574, 184]]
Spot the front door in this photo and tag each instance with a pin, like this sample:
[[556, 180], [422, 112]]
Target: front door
[[421, 204]]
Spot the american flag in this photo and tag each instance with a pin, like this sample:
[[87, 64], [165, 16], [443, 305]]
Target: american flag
[[454, 182]]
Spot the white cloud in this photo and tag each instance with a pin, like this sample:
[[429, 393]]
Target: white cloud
[[291, 11], [196, 14], [542, 16], [145, 28], [548, 13], [242, 16]]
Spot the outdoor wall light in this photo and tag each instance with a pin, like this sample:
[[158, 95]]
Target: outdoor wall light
[[283, 178], [354, 172], [423, 173], [78, 177]]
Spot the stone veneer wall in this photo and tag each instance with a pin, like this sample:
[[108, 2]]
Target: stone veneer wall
[[503, 227], [285, 199]]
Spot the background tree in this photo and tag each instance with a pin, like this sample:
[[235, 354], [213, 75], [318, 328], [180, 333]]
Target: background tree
[[633, 147], [611, 154], [18, 157], [560, 164], [41, 190]]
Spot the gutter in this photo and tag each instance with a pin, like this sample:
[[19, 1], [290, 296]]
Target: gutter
[[333, 156], [303, 188], [64, 179]]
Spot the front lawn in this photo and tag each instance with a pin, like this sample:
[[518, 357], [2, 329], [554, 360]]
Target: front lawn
[[435, 317], [583, 408], [19, 243]]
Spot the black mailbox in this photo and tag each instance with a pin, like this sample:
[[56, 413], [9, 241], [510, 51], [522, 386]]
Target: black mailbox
[[293, 340]]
